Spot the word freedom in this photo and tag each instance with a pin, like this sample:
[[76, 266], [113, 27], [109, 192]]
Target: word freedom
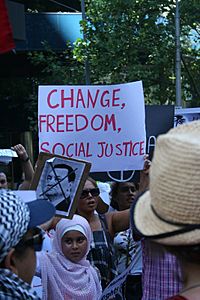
[[76, 123], [104, 149]]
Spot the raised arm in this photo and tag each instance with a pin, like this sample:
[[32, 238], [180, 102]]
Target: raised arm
[[144, 176], [26, 166], [118, 221]]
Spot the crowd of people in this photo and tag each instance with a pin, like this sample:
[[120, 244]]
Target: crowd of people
[[150, 228]]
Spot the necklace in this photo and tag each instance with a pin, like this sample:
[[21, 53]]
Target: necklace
[[190, 288]]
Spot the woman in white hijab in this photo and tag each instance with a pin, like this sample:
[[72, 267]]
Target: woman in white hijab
[[65, 272]]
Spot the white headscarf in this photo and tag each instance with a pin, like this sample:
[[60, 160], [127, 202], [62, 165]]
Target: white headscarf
[[63, 279]]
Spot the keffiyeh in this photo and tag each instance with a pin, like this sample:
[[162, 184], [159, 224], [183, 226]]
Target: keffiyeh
[[13, 288]]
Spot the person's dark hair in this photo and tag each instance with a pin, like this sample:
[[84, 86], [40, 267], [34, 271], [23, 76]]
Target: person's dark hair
[[92, 181], [114, 191], [71, 172]]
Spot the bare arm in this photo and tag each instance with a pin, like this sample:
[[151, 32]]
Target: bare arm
[[102, 207], [144, 176], [143, 186], [26, 166], [118, 221]]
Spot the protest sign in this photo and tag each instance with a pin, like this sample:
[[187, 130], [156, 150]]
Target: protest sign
[[102, 124], [6, 155], [185, 115], [60, 180], [159, 119]]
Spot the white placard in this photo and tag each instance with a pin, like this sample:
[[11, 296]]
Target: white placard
[[104, 125], [6, 155]]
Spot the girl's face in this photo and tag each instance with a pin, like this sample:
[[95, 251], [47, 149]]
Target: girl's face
[[88, 200], [74, 245], [126, 195]]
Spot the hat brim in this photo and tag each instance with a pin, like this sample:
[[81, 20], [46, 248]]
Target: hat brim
[[149, 225], [40, 212]]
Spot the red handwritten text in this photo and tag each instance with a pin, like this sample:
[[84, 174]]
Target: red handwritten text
[[124, 149], [78, 122], [79, 99]]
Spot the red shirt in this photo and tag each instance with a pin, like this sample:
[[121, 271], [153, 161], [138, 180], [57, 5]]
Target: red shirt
[[177, 297]]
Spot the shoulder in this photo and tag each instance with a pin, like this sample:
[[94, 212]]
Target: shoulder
[[118, 220]]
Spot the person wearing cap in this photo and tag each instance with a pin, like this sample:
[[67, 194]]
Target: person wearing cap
[[169, 213], [19, 239]]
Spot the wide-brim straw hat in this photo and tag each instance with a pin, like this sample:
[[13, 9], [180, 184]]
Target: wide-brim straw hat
[[169, 213]]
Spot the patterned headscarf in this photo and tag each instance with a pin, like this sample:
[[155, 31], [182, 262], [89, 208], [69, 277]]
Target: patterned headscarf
[[63, 279], [14, 221]]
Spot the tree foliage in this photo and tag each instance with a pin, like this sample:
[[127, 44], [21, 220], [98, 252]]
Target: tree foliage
[[52, 68], [125, 40], [129, 40], [135, 40]]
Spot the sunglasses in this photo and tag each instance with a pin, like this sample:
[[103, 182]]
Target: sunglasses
[[94, 192], [34, 242], [2, 181], [125, 189]]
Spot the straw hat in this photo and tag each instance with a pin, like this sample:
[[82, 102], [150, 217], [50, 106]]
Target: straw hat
[[169, 212]]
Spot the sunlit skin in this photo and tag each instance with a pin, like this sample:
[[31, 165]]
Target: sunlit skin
[[125, 198], [89, 203], [74, 245]]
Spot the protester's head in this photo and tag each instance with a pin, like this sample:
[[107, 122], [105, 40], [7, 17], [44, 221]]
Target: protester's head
[[19, 235], [73, 238], [88, 200], [123, 194], [3, 181], [169, 213], [59, 181]]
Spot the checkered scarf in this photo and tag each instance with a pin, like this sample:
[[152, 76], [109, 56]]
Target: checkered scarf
[[13, 288], [14, 220]]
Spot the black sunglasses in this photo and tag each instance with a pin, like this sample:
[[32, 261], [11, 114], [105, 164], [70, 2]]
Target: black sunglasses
[[34, 242], [94, 192], [125, 189]]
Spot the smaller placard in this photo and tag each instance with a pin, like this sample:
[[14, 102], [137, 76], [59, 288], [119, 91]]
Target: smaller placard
[[60, 180], [6, 155]]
